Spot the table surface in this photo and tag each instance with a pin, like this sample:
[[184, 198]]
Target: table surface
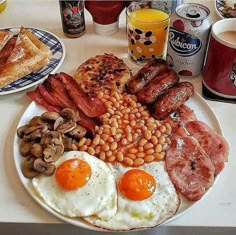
[[16, 206]]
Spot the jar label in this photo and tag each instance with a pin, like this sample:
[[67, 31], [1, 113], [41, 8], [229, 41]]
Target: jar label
[[72, 14]]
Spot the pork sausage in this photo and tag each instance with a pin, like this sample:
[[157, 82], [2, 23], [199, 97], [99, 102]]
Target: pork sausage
[[157, 86], [153, 68], [172, 99]]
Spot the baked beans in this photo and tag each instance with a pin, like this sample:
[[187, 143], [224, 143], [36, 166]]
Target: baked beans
[[129, 134]]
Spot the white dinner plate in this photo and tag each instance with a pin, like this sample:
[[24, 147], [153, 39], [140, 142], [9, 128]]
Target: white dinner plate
[[58, 54], [196, 102]]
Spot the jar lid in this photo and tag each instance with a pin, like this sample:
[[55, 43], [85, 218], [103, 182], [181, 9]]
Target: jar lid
[[106, 29]]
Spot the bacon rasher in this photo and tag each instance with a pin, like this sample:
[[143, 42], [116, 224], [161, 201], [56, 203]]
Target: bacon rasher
[[92, 107], [36, 96], [56, 88], [47, 96]]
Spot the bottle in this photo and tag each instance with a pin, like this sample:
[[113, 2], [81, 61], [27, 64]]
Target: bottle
[[3, 5], [168, 4], [105, 15], [72, 17]]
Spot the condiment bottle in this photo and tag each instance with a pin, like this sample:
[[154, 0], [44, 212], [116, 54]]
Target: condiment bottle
[[3, 4], [105, 15], [72, 17]]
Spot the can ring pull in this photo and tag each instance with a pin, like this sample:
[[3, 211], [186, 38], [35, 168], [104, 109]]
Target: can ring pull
[[193, 12]]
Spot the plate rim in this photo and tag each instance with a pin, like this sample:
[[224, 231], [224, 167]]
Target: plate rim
[[53, 71], [78, 221]]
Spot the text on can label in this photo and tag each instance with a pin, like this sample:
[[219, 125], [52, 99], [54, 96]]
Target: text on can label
[[184, 44]]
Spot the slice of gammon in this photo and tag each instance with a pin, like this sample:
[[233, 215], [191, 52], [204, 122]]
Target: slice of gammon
[[213, 143], [189, 167], [182, 115]]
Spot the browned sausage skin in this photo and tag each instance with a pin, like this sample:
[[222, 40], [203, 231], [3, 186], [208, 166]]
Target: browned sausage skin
[[153, 68], [172, 99], [158, 86]]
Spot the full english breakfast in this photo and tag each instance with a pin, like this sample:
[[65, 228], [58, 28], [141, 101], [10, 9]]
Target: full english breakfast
[[119, 150]]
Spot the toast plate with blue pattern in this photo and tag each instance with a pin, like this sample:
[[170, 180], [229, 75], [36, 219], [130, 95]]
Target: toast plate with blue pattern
[[58, 55]]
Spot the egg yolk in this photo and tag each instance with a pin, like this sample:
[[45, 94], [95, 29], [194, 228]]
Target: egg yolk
[[137, 184], [72, 174]]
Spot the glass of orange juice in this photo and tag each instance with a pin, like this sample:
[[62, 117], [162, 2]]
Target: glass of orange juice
[[147, 30]]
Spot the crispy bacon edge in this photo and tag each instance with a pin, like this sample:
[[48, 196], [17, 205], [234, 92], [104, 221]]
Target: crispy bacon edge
[[92, 107]]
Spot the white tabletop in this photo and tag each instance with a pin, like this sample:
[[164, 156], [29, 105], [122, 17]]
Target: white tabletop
[[217, 209]]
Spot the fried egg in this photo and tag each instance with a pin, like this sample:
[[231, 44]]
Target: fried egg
[[82, 185], [146, 198]]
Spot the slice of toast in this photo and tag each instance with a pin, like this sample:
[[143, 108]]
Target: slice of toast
[[6, 51], [28, 55], [5, 36], [41, 46]]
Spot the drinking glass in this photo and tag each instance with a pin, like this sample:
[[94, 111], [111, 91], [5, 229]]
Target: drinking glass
[[147, 30]]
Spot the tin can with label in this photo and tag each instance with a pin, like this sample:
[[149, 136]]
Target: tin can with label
[[188, 38], [168, 4], [72, 17]]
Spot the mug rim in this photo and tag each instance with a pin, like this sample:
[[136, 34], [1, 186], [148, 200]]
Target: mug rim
[[217, 38]]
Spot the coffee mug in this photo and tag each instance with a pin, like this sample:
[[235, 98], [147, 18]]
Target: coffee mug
[[219, 74]]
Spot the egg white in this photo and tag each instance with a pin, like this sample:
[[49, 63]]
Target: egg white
[[97, 197], [163, 204]]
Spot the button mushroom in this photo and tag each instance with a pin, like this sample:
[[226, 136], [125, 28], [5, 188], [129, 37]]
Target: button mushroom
[[36, 150], [27, 167], [35, 132], [58, 122], [53, 146], [66, 127], [44, 167], [36, 120], [25, 148], [78, 132], [47, 137], [52, 152], [68, 113], [50, 116], [21, 131]]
